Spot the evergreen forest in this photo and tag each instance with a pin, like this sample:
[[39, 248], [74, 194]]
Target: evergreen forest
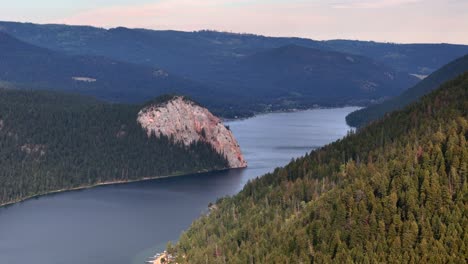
[[51, 141], [394, 192]]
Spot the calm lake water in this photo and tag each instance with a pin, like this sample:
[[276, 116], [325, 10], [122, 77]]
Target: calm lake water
[[128, 223]]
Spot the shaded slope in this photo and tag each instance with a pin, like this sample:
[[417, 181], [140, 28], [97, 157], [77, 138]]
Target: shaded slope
[[309, 75], [30, 66], [412, 58], [364, 116]]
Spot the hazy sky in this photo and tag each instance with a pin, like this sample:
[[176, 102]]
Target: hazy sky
[[381, 20]]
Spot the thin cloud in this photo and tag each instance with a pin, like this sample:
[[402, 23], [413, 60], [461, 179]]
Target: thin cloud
[[374, 4], [227, 15], [428, 21]]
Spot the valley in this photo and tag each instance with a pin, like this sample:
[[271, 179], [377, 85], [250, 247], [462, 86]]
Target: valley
[[163, 132], [260, 73], [128, 223]]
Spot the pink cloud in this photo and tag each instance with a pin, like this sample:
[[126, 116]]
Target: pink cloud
[[195, 15], [364, 19], [375, 3]]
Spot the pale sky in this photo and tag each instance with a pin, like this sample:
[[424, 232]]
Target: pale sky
[[403, 21]]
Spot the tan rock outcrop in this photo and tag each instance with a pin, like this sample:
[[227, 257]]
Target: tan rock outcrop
[[188, 122]]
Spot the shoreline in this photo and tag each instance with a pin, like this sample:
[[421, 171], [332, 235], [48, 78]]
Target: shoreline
[[168, 258], [292, 110], [84, 187], [158, 259]]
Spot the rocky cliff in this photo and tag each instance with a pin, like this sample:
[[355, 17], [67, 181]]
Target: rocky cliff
[[187, 122]]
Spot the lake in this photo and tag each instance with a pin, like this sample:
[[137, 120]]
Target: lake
[[127, 223]]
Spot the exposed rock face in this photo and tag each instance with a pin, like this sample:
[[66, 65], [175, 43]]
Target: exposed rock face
[[188, 122]]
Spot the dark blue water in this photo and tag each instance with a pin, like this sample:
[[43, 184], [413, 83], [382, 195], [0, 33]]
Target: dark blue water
[[128, 223]]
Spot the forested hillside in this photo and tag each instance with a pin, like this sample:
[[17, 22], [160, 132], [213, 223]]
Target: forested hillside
[[395, 192], [51, 141], [364, 116]]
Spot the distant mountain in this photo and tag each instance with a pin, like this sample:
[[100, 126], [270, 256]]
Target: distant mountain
[[422, 59], [306, 75], [281, 78], [394, 192], [54, 141], [26, 66], [364, 116], [199, 54], [34, 67]]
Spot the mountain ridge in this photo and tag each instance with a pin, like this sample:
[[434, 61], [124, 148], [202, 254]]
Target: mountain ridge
[[205, 46], [254, 88], [33, 67]]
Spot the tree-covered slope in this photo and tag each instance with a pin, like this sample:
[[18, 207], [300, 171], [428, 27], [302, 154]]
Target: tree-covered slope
[[395, 192], [51, 141], [364, 116]]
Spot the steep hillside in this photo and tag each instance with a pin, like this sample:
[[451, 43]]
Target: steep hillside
[[364, 116], [51, 141], [395, 192]]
